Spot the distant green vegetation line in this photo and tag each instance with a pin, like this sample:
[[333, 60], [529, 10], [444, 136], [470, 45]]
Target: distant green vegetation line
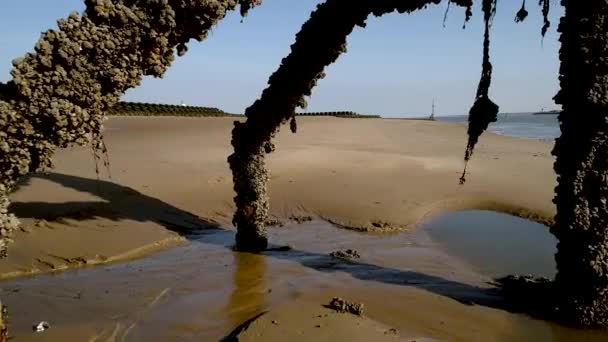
[[156, 109]]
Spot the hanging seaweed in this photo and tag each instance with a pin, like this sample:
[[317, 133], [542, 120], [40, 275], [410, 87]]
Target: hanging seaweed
[[468, 5], [545, 4], [445, 15], [522, 14], [483, 111], [293, 125]]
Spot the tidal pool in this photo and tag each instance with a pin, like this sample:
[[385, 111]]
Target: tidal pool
[[494, 243]]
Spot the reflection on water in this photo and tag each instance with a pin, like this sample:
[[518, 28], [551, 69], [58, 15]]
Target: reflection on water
[[248, 298], [496, 244]]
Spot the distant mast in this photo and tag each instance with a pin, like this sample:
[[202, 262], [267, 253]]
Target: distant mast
[[432, 117]]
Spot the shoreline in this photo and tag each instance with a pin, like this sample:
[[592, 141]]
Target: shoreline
[[376, 175]]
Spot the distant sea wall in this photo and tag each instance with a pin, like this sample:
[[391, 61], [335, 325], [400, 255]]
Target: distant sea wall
[[340, 115]]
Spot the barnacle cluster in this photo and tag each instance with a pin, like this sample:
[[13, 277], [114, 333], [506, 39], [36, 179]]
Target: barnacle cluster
[[59, 93]]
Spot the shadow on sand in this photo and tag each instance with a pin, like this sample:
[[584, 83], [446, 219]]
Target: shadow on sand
[[120, 203]]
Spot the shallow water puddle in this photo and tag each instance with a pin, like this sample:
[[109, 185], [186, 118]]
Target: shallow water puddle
[[203, 290], [494, 243]]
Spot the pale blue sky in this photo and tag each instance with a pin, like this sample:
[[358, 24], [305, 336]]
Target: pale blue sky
[[394, 67]]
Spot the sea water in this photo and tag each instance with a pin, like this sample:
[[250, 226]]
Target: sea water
[[524, 125]]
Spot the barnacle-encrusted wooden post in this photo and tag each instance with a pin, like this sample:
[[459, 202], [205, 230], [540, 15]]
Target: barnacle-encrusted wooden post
[[581, 223], [59, 94], [320, 42], [3, 327]]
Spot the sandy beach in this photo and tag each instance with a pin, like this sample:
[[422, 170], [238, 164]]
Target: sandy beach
[[170, 178], [359, 174]]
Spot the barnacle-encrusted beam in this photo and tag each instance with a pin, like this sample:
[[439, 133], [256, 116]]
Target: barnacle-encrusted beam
[[60, 92], [319, 43]]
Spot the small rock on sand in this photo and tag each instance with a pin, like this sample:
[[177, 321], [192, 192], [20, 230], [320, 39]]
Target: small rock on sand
[[346, 254], [391, 331], [345, 306], [301, 219]]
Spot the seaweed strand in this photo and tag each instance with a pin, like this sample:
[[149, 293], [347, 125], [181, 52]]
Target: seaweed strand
[[545, 4], [483, 111], [445, 15], [521, 15]]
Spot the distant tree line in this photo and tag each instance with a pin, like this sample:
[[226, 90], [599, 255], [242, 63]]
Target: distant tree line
[[156, 109], [339, 114]]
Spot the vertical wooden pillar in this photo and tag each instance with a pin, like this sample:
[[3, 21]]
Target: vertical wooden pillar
[[581, 223]]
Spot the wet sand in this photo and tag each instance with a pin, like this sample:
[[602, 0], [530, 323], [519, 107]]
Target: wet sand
[[203, 291], [171, 186]]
